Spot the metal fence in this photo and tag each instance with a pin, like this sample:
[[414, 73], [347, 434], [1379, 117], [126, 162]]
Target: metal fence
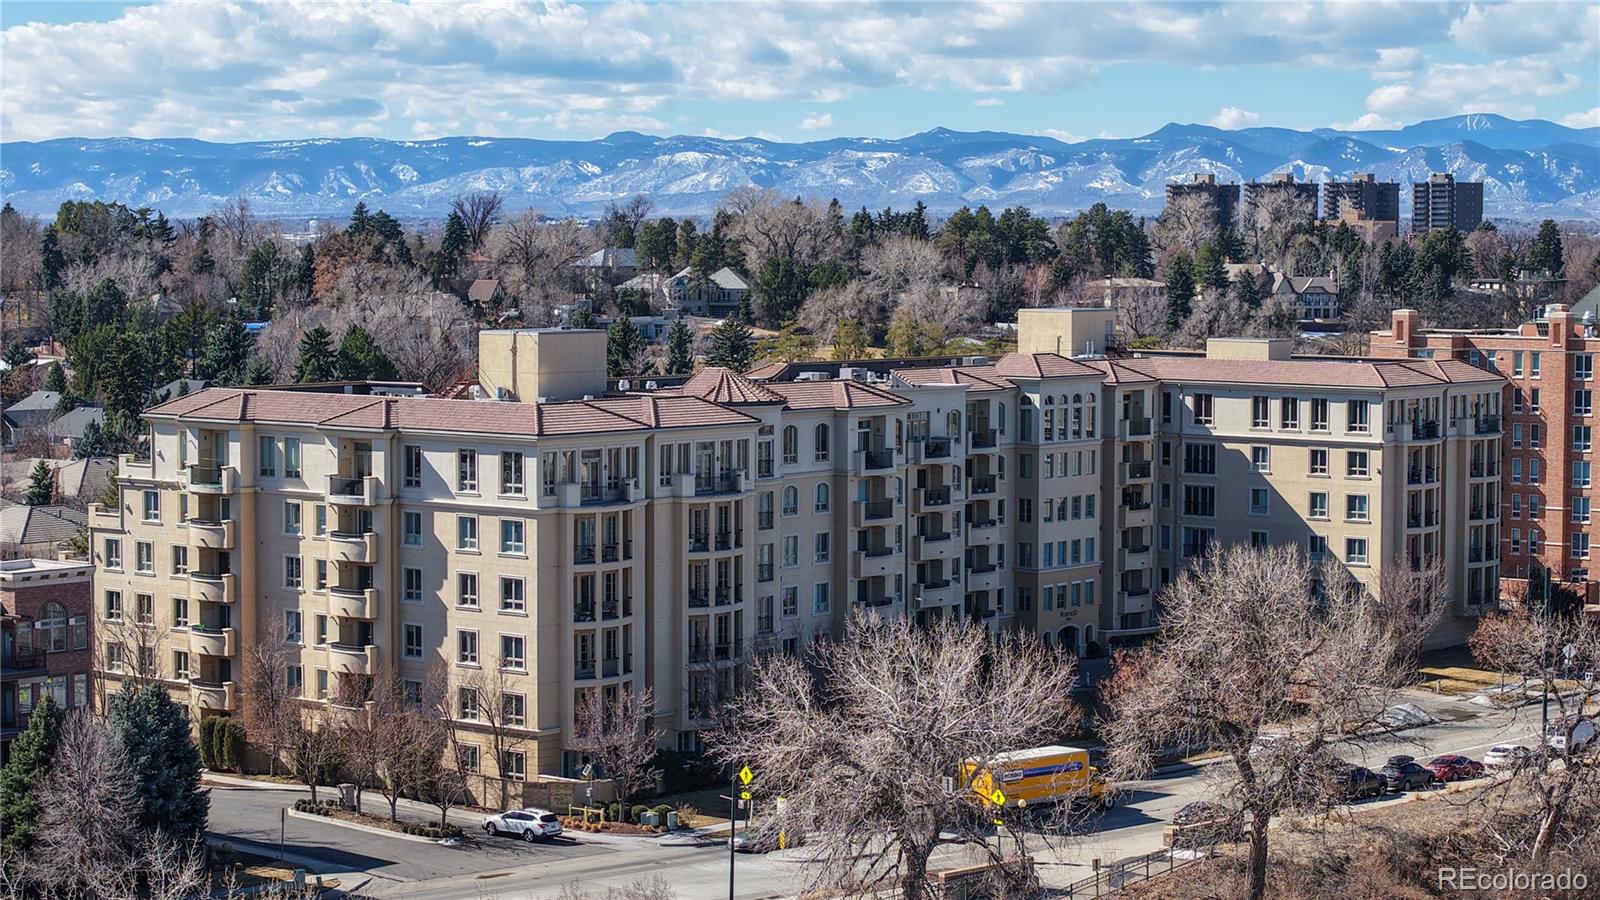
[[1113, 877]]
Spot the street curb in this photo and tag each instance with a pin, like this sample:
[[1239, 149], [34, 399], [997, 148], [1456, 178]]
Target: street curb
[[372, 829], [236, 781], [304, 860]]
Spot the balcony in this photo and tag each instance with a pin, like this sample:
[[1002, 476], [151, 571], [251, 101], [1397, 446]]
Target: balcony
[[1425, 429], [1486, 425], [1135, 599], [1136, 556], [214, 696], [931, 449], [984, 439], [213, 641], [875, 510], [983, 484], [874, 561], [211, 535], [934, 593], [729, 481], [726, 540], [354, 659], [874, 460], [1419, 520], [344, 490], [211, 479], [350, 547], [209, 588], [1133, 428], [24, 663], [1136, 471], [875, 600], [725, 596], [935, 497], [1419, 475], [933, 546], [353, 603], [583, 611]]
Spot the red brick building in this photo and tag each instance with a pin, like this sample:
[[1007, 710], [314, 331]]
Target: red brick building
[[1547, 514], [46, 642]]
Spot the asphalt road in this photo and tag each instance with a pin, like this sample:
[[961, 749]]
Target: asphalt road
[[491, 867]]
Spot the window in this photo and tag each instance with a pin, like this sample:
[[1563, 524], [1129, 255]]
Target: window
[[180, 664], [467, 703], [791, 601], [1355, 551], [1197, 541], [1583, 366], [320, 519], [1199, 500], [411, 476], [1202, 409], [514, 712], [113, 555], [1356, 416], [291, 517], [467, 590], [467, 471], [294, 678], [268, 452], [466, 532], [1261, 458], [819, 598], [1535, 467], [152, 506], [791, 445], [1260, 412], [822, 442], [512, 652], [1582, 402], [322, 629], [511, 537], [1580, 473], [411, 585], [1580, 509], [1355, 507], [822, 497], [180, 560], [511, 474], [291, 457], [1355, 464], [144, 558], [293, 577], [1260, 504], [1580, 545], [1319, 505], [791, 551], [1516, 470], [512, 597], [1200, 459], [113, 606], [1258, 539], [411, 528], [321, 571], [467, 758], [791, 501], [292, 625], [1319, 461], [1319, 414], [1533, 506], [1582, 438], [1535, 436], [1533, 364], [322, 684], [513, 764], [467, 647], [1316, 546], [145, 608], [1289, 414], [1516, 364], [1533, 399], [821, 547], [1516, 434]]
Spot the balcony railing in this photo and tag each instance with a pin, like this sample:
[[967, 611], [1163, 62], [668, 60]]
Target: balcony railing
[[1138, 470], [699, 541], [879, 459], [879, 509], [1135, 502], [982, 523], [1486, 425], [985, 439], [936, 448], [984, 484], [982, 568], [1137, 427], [939, 496], [583, 554], [24, 661], [875, 552], [1425, 429]]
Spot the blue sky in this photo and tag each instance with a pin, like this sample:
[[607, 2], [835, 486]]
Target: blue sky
[[244, 71]]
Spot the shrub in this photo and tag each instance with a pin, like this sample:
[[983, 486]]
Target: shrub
[[614, 812], [661, 809], [207, 742], [637, 812]]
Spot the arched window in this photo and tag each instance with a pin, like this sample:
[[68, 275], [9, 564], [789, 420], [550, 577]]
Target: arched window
[[1077, 415], [1050, 418], [50, 630], [791, 445], [791, 500], [824, 442], [822, 497], [1089, 416], [953, 425]]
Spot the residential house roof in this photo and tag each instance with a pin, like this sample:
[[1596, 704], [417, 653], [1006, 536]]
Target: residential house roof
[[39, 525], [609, 258], [978, 379], [835, 394], [722, 385], [70, 425], [483, 290], [1315, 373], [1040, 365], [724, 278], [85, 479]]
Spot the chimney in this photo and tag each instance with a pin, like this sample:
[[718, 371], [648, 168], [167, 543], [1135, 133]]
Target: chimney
[[1560, 324], [1403, 323]]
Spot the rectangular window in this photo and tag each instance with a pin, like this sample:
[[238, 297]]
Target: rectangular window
[[291, 517], [791, 550], [1516, 434], [1355, 551], [144, 559], [822, 547], [1319, 505], [511, 474], [268, 451], [1202, 409], [467, 471], [1580, 545], [320, 519], [180, 612], [1582, 402], [467, 647], [411, 589], [1356, 416], [1580, 509], [1316, 546], [113, 606], [820, 599], [1535, 468], [511, 537], [467, 590], [1260, 505], [292, 626], [152, 506], [467, 703], [1261, 458], [145, 608], [1583, 366], [1582, 438], [1199, 500], [1319, 414], [512, 597], [1200, 459], [1260, 412], [291, 457], [512, 653], [411, 477], [1289, 413], [514, 712], [466, 532], [1355, 507], [791, 601], [1580, 473], [411, 528], [513, 764], [1533, 399], [320, 569], [180, 664], [180, 560], [1319, 461], [113, 557], [294, 678], [1533, 367], [322, 684], [1535, 436], [293, 577], [1355, 464]]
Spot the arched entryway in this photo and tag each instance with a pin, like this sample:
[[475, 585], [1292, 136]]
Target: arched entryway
[[1068, 638]]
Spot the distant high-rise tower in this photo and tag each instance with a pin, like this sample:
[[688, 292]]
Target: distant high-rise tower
[[1444, 202], [1364, 193], [1225, 197]]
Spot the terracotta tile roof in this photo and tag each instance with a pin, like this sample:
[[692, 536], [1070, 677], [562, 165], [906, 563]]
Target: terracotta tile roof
[[1040, 365], [1314, 373], [721, 385], [1119, 371], [836, 394], [767, 370], [978, 379], [632, 413]]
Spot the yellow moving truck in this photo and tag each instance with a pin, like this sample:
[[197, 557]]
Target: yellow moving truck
[[1038, 777]]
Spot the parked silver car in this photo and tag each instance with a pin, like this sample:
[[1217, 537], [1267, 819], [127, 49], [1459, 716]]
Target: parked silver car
[[530, 824]]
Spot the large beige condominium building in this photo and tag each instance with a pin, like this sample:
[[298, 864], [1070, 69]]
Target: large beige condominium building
[[562, 540]]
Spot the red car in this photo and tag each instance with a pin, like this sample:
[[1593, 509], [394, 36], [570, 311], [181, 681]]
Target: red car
[[1454, 768]]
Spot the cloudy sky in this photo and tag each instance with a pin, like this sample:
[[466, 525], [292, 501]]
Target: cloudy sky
[[235, 71]]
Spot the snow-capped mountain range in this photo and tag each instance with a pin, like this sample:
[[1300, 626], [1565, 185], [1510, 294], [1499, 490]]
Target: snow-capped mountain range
[[1530, 169]]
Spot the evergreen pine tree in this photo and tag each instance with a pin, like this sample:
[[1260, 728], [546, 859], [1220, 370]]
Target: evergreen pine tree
[[1180, 290], [257, 278], [583, 317], [166, 765], [55, 379], [259, 372], [849, 340], [732, 345], [317, 361], [680, 349], [52, 264], [305, 275], [625, 350], [360, 219], [1545, 254], [453, 247], [41, 486], [92, 444], [226, 351], [1208, 268], [360, 359], [31, 755]]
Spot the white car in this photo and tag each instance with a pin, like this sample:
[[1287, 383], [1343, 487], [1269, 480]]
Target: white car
[[1505, 755], [1570, 733], [530, 824]]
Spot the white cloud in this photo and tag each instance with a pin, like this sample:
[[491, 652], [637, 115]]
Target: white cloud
[[1506, 86], [988, 101], [1233, 118], [1589, 118], [1367, 122], [817, 122], [1065, 137]]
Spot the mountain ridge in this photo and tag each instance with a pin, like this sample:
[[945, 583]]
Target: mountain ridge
[[1531, 168]]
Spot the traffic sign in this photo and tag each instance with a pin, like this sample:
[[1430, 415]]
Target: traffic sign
[[744, 795], [746, 776], [998, 798]]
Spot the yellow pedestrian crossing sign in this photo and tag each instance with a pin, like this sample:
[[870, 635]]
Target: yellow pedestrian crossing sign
[[746, 776], [744, 795], [998, 798]]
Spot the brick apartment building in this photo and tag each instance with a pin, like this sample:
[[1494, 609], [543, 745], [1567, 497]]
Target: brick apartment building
[[46, 646], [1549, 488]]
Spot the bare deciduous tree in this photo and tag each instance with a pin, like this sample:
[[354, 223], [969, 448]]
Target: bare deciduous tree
[[772, 226], [863, 738], [825, 309], [487, 690], [479, 212], [535, 258], [271, 710], [1186, 222], [1272, 662], [316, 745], [443, 782], [619, 735]]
